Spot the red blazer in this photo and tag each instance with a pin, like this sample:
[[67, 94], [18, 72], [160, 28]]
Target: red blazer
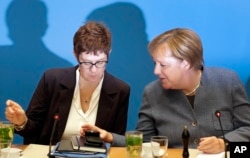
[[54, 94]]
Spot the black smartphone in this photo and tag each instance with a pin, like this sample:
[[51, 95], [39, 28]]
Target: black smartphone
[[93, 138]]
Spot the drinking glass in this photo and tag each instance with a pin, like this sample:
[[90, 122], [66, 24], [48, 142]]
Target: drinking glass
[[159, 146], [134, 144], [6, 134], [146, 150]]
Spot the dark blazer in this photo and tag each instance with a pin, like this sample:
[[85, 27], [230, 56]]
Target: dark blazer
[[54, 95]]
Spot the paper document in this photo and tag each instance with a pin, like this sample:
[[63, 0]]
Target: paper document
[[194, 153], [219, 155], [36, 151]]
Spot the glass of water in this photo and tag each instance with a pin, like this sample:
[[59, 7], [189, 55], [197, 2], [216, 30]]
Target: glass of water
[[159, 146]]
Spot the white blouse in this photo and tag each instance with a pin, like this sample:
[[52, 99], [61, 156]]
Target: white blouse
[[76, 116]]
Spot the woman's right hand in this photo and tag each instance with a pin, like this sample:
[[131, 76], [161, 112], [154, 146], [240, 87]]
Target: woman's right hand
[[104, 135], [15, 113]]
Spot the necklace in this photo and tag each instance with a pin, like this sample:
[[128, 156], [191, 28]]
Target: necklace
[[193, 91], [85, 94], [189, 93], [86, 100]]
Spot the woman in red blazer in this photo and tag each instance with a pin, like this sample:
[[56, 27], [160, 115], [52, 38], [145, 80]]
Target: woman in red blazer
[[86, 93]]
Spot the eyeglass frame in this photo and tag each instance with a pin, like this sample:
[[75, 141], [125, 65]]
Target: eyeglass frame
[[91, 64]]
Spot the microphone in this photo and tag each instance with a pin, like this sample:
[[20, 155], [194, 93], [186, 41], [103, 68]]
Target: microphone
[[56, 118], [218, 115]]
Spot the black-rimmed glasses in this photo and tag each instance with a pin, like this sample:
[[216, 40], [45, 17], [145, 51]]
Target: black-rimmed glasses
[[98, 64]]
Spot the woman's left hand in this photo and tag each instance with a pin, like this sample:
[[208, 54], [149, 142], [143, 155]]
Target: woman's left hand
[[104, 135]]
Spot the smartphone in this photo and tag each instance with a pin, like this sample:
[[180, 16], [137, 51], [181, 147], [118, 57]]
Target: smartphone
[[93, 138]]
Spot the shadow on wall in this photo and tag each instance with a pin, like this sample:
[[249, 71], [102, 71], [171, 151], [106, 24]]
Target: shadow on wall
[[129, 59], [247, 86], [23, 62]]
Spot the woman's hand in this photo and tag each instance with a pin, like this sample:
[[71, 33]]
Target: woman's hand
[[15, 113], [104, 135], [211, 145]]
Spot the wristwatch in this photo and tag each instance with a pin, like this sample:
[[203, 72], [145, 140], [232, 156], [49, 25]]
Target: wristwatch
[[21, 127]]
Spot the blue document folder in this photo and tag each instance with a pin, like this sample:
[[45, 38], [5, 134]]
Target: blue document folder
[[68, 152]]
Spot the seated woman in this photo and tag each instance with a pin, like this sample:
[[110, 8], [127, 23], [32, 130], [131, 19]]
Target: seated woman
[[82, 94], [190, 94]]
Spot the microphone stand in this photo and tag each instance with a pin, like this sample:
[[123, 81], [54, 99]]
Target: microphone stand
[[218, 115], [56, 117]]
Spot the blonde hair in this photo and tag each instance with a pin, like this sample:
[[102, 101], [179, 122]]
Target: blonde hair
[[183, 43]]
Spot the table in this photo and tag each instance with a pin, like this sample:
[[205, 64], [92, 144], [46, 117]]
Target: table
[[120, 152], [32, 150]]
